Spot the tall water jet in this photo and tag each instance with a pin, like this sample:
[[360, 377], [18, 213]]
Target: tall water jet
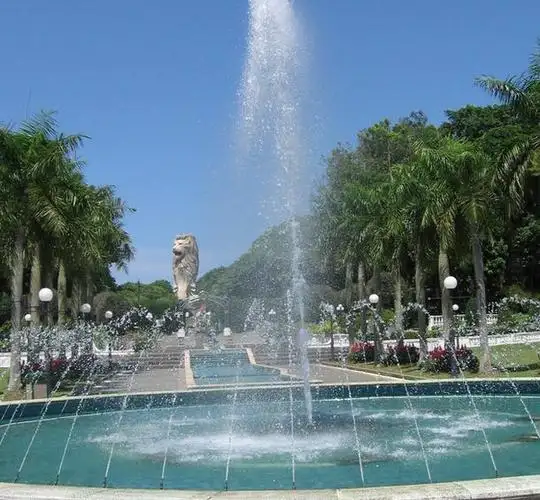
[[270, 112]]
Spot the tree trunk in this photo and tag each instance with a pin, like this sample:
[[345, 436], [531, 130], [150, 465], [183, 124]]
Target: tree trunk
[[76, 298], [361, 281], [76, 302], [362, 294], [49, 283], [348, 283], [35, 304], [376, 288], [35, 286], [478, 263], [446, 303], [398, 298], [419, 281], [89, 292], [17, 273], [61, 290]]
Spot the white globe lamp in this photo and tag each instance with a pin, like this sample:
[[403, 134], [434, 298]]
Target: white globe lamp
[[108, 314], [455, 308], [45, 295], [450, 282], [374, 299]]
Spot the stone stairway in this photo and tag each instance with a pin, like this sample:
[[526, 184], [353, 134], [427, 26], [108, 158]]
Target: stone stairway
[[156, 369], [280, 357]]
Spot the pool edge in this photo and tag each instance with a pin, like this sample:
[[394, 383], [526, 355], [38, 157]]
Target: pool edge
[[516, 487]]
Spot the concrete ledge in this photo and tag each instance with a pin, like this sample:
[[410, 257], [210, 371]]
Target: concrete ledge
[[250, 356], [510, 488], [275, 391], [190, 381]]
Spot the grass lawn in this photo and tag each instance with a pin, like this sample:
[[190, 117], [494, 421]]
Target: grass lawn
[[511, 356], [508, 357], [4, 379]]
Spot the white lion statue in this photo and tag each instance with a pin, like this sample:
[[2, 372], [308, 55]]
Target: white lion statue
[[185, 264]]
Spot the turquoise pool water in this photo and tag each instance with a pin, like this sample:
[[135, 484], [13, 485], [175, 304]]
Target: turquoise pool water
[[261, 447], [230, 366]]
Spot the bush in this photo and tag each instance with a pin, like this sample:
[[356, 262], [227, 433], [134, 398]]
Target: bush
[[410, 334], [439, 360], [84, 364], [35, 372], [5, 330], [388, 315], [401, 354], [361, 352], [143, 341]]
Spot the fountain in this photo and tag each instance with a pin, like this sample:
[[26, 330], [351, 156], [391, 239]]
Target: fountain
[[281, 434], [271, 124]]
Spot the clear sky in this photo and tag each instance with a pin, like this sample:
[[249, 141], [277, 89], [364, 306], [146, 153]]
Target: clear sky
[[155, 86]]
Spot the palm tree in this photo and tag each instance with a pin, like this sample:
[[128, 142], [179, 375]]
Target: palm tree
[[33, 162], [473, 202], [409, 194], [439, 187], [522, 94], [95, 240]]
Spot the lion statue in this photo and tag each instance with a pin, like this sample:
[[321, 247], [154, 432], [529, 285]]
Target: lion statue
[[185, 264]]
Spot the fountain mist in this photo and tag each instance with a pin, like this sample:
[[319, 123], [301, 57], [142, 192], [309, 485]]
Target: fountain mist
[[270, 105]]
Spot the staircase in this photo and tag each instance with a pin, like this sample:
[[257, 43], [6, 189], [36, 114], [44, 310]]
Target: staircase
[[167, 355], [280, 357]]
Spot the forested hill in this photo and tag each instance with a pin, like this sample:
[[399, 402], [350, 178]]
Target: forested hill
[[264, 272]]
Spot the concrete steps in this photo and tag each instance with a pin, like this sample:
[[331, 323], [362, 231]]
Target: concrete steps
[[265, 356]]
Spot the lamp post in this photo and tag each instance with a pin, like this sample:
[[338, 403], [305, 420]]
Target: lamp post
[[45, 296], [29, 355], [108, 316], [339, 313], [374, 300], [85, 310], [185, 326], [455, 309], [450, 283]]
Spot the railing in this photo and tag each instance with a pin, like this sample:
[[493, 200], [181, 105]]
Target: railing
[[437, 320]]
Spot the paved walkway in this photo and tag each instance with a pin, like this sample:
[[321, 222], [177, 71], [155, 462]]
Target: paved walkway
[[335, 375], [154, 380]]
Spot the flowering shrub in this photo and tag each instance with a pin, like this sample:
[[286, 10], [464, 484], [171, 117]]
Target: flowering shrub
[[361, 352], [84, 364], [31, 372], [363, 311], [137, 318], [59, 368], [172, 320], [440, 360], [517, 314], [34, 372], [401, 354]]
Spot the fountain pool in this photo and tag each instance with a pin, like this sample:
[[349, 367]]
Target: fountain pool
[[184, 440], [230, 366]]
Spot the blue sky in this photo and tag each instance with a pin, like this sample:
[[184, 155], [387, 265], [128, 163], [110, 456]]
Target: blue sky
[[154, 84]]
